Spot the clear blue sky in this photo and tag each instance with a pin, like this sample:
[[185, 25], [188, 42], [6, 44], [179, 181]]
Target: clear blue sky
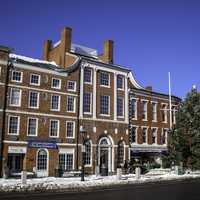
[[151, 36]]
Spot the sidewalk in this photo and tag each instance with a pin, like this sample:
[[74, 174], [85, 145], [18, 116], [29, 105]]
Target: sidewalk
[[74, 184]]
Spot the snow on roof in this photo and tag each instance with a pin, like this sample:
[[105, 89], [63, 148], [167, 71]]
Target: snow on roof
[[32, 60], [84, 50], [133, 81]]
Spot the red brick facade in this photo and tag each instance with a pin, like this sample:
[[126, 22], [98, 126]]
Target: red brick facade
[[80, 112]]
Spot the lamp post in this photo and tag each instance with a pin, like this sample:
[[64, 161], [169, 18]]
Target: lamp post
[[82, 132]]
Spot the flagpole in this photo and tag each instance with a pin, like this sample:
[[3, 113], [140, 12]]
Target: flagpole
[[170, 102]]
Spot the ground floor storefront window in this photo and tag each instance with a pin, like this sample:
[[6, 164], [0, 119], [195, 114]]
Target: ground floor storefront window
[[15, 163], [66, 161]]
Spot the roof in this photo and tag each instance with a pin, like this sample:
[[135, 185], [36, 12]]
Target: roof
[[44, 64]]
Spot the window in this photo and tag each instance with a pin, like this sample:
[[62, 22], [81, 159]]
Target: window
[[17, 76], [174, 114], [87, 153], [133, 135], [87, 102], [154, 111], [70, 129], [70, 104], [42, 159], [15, 97], [154, 135], [33, 99], [164, 113], [87, 75], [144, 135], [120, 107], [133, 108], [56, 83], [120, 151], [104, 79], [66, 161], [54, 128], [144, 110], [71, 86], [32, 126], [55, 102], [164, 136], [120, 82], [35, 79], [13, 125], [104, 105]]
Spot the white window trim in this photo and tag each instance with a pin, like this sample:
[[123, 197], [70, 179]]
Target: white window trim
[[36, 126], [15, 80], [58, 132], [166, 136], [38, 100], [89, 113], [145, 127], [106, 115], [74, 108], [73, 129], [85, 82], [18, 125], [20, 97], [123, 79], [122, 116], [68, 151], [156, 139], [91, 153], [156, 103], [71, 90], [106, 86], [136, 134], [59, 84], [38, 79], [58, 102], [47, 170], [146, 116], [165, 111], [136, 107]]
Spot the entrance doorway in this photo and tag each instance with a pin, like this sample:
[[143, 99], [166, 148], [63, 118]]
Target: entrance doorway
[[15, 163], [42, 162], [105, 156]]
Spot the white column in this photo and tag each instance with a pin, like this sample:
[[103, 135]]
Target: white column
[[126, 100], [94, 91], [81, 92], [115, 96]]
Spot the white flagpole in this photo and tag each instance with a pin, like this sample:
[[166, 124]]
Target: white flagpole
[[170, 102]]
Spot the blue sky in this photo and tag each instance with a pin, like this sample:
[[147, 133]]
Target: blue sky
[[151, 36]]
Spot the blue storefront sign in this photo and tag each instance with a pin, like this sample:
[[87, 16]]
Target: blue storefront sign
[[37, 144]]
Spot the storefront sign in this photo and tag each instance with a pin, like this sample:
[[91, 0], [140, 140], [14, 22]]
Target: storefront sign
[[36, 144], [15, 149]]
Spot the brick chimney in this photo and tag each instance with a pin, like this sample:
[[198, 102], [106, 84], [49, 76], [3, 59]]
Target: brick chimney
[[46, 49], [65, 45], [108, 51]]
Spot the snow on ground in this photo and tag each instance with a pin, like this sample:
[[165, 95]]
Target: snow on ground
[[74, 184]]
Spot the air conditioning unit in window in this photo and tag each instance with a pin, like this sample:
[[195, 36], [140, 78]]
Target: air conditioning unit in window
[[45, 96], [46, 78]]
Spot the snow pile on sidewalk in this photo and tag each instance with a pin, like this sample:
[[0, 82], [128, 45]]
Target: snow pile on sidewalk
[[74, 184]]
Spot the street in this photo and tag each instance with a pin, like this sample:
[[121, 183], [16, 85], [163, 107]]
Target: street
[[184, 190]]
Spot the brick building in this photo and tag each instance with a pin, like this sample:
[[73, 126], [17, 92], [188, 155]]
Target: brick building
[[50, 107]]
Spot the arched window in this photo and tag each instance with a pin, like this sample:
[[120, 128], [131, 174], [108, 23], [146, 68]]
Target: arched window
[[120, 153], [42, 159], [88, 151]]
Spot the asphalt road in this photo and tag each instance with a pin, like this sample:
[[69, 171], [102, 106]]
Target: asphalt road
[[185, 190]]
